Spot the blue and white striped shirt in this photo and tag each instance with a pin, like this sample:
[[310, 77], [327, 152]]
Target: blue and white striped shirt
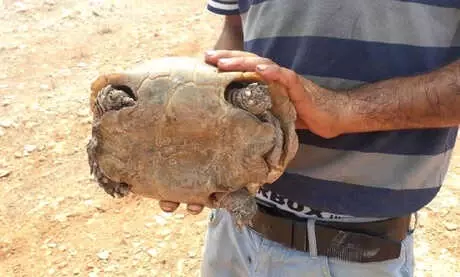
[[344, 44]]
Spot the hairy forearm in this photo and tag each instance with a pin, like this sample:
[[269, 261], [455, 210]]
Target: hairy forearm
[[430, 100], [231, 37]]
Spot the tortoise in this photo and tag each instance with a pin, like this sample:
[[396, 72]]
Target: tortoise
[[178, 129]]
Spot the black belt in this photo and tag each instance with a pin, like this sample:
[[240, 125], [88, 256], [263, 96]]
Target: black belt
[[354, 242]]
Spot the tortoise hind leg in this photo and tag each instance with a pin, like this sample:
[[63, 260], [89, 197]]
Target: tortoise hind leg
[[240, 204]]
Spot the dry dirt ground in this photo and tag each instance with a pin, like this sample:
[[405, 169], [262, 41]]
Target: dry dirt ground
[[54, 220]]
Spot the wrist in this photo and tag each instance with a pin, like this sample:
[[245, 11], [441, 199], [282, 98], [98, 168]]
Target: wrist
[[329, 113], [347, 116]]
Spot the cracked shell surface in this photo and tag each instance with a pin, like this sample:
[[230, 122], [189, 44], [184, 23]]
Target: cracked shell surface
[[182, 141]]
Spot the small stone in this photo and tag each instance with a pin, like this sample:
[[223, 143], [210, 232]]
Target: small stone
[[72, 252], [76, 271], [165, 232], [4, 173], [136, 244], [105, 30], [20, 7], [18, 155], [166, 215], [6, 123], [450, 226], [51, 271], [44, 87], [61, 217], [29, 148], [83, 113], [152, 252], [89, 202], [191, 254], [87, 120], [51, 245], [82, 64], [3, 86], [179, 216], [62, 265], [92, 274], [160, 220], [103, 255]]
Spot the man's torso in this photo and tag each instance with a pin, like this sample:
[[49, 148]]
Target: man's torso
[[342, 44]]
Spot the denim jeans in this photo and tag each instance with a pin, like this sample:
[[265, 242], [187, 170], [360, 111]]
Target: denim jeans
[[246, 253]]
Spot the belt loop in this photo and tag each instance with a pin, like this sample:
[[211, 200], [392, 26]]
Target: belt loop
[[312, 238]]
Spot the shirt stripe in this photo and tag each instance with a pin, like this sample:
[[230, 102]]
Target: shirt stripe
[[378, 21], [390, 171], [439, 3], [334, 83], [351, 59], [351, 199], [223, 7], [246, 4], [401, 142]]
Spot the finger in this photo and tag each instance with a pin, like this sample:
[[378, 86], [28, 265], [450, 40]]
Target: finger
[[247, 64], [213, 56], [286, 77], [168, 206], [194, 208]]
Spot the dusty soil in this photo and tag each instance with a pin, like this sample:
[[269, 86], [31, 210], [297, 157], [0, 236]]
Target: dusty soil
[[54, 220]]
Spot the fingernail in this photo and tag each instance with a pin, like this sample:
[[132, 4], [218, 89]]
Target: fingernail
[[262, 67], [225, 61], [210, 53]]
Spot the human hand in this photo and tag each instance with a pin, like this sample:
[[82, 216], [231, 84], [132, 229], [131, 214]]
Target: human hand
[[169, 207], [318, 109]]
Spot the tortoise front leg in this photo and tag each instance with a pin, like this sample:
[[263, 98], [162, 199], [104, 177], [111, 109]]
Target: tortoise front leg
[[109, 98], [254, 98]]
